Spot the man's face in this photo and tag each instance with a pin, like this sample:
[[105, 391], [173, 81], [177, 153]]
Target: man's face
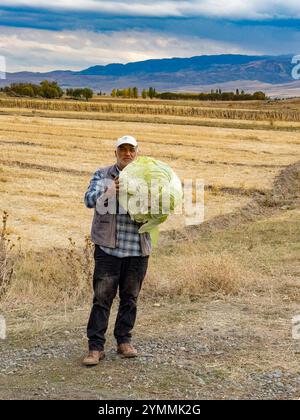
[[125, 154]]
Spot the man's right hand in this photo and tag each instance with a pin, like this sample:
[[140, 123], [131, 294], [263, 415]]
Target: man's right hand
[[113, 190]]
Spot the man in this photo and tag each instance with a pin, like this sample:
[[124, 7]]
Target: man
[[121, 258]]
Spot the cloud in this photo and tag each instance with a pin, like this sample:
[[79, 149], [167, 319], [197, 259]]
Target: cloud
[[41, 50], [232, 9], [46, 35]]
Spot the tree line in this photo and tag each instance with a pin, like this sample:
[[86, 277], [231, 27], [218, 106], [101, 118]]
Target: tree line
[[133, 92], [47, 90], [51, 90], [217, 95], [214, 95]]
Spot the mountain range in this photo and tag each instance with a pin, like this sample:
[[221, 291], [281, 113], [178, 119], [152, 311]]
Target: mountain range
[[272, 74]]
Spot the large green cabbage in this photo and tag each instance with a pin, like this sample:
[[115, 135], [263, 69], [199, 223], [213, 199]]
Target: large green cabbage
[[135, 177]]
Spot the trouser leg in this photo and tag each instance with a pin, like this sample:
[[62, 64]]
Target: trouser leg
[[105, 283], [133, 271]]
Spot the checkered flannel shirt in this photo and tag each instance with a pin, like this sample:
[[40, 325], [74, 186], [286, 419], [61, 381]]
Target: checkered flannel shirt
[[127, 236]]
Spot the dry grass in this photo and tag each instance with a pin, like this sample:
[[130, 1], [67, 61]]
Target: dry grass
[[218, 111], [47, 163], [239, 261], [62, 277], [157, 119], [171, 277], [231, 288], [53, 278], [6, 259]]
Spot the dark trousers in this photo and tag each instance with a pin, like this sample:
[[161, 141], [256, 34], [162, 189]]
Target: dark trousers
[[110, 273]]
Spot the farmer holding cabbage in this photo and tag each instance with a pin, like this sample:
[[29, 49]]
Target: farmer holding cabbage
[[122, 228]]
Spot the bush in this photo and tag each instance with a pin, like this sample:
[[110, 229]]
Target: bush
[[6, 262]]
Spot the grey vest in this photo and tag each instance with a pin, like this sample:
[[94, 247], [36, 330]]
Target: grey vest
[[104, 226]]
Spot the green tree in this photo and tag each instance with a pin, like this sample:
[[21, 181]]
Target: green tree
[[69, 92], [135, 92], [261, 96], [77, 93], [152, 92], [87, 93], [50, 90], [28, 91]]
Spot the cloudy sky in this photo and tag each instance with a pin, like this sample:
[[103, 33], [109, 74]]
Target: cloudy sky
[[43, 35]]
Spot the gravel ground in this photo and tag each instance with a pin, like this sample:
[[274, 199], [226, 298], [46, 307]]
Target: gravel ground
[[189, 358]]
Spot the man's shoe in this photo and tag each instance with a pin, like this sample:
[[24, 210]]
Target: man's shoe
[[127, 350], [93, 358]]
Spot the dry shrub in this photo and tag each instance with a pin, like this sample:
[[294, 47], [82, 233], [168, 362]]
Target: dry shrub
[[63, 278], [6, 260], [194, 275], [53, 277]]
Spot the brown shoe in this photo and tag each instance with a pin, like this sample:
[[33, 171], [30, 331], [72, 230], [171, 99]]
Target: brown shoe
[[93, 358], [127, 350]]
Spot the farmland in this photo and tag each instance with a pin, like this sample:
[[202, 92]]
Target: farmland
[[46, 164], [238, 281]]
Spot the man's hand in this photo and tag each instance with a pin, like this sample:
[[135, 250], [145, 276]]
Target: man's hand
[[113, 190]]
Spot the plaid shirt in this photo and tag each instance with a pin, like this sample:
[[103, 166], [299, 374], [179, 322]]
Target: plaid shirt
[[127, 236]]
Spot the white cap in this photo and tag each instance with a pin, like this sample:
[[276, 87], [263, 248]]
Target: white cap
[[126, 139]]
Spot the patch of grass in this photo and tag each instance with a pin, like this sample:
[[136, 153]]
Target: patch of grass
[[170, 276]]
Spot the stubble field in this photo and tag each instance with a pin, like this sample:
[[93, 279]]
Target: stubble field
[[218, 301], [46, 164]]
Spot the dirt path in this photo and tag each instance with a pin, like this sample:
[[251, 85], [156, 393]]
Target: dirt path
[[203, 350]]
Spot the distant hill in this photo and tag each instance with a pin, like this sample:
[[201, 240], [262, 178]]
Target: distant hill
[[200, 73]]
